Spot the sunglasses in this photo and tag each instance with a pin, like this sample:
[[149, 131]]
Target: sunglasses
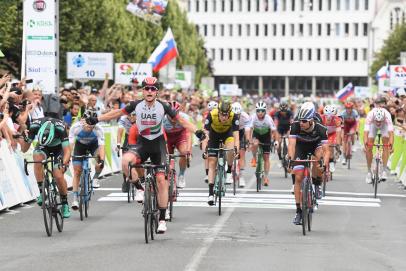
[[304, 121], [261, 111], [150, 88], [224, 114]]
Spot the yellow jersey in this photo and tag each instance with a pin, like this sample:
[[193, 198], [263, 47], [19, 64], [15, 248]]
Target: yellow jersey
[[213, 123]]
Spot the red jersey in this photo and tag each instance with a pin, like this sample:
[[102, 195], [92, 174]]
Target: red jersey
[[332, 123], [133, 135]]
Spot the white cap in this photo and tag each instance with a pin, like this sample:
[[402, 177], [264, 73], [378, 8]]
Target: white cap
[[401, 92]]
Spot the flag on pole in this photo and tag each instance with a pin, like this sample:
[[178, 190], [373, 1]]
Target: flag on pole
[[383, 72], [345, 92], [164, 53]]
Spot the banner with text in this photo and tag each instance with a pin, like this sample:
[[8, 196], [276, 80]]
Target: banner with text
[[126, 72], [230, 90], [89, 66], [150, 10], [398, 76]]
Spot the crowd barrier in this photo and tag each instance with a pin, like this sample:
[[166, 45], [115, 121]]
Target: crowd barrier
[[17, 188]]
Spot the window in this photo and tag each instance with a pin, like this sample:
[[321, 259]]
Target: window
[[239, 54], [257, 5], [189, 6], [345, 54], [197, 29], [274, 54], [347, 4], [292, 30], [309, 54], [214, 5], [321, 5], [364, 54], [222, 30], [230, 54], [213, 30], [337, 54], [231, 5], [283, 29], [337, 29], [240, 6], [396, 17], [206, 4], [249, 5], [366, 4], [355, 54], [230, 30], [327, 54], [197, 5], [265, 30], [292, 5], [274, 29], [356, 33], [310, 5], [292, 55], [319, 30], [265, 54], [300, 54], [328, 32], [302, 5], [248, 30], [223, 5], [356, 4], [329, 4], [282, 54], [300, 30], [338, 2], [205, 30], [239, 27], [247, 54], [283, 5], [275, 7], [222, 54], [213, 54], [365, 29], [257, 30], [310, 28], [346, 29], [318, 51], [256, 54]]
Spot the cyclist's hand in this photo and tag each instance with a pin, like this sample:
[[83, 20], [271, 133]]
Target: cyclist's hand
[[204, 155], [276, 144], [92, 120], [200, 135], [65, 167], [236, 153], [118, 147]]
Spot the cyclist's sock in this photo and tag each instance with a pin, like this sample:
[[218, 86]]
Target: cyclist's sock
[[162, 212], [241, 172], [293, 179], [331, 160], [229, 169], [298, 209], [40, 187], [138, 185], [64, 199], [207, 171], [211, 189], [181, 171], [280, 155]]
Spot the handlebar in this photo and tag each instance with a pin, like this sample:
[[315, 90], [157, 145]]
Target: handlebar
[[43, 162]]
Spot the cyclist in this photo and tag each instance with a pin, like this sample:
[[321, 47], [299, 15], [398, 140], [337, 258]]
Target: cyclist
[[350, 119], [244, 131], [378, 119], [179, 137], [333, 124], [283, 118], [52, 141], [307, 136], [210, 106], [151, 143], [84, 139], [222, 125], [124, 125], [263, 130]]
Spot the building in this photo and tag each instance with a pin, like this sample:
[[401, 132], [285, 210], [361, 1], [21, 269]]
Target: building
[[293, 46]]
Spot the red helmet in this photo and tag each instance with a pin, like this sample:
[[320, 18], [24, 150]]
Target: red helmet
[[349, 105], [175, 105], [151, 82]]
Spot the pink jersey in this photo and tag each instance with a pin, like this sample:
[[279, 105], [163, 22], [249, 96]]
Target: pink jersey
[[386, 122]]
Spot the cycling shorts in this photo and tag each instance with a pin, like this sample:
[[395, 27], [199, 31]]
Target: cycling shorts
[[176, 139], [243, 140], [56, 152], [301, 152], [214, 141], [349, 129], [264, 139], [373, 130], [154, 149], [82, 149], [283, 129], [332, 138]]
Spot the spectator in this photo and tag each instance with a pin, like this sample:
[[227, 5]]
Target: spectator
[[72, 115]]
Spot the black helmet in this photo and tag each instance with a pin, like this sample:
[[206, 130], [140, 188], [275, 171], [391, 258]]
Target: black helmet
[[225, 107]]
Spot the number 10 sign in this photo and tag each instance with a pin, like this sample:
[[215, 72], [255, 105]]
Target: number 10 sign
[[89, 66]]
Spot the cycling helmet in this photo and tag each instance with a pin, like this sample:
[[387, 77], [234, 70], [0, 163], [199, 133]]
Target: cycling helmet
[[379, 114], [335, 109], [380, 100], [211, 105], [151, 82], [89, 113], [175, 105], [260, 106], [349, 105], [236, 108], [225, 107], [283, 106], [328, 110], [46, 133], [306, 111]]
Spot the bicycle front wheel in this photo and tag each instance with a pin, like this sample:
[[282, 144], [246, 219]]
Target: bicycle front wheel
[[305, 200], [147, 213], [171, 197], [47, 206], [376, 180], [220, 188]]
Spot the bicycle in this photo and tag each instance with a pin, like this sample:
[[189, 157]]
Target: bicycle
[[259, 170], [348, 153], [336, 156], [86, 185], [378, 164], [130, 185], [173, 190], [308, 200], [219, 181], [150, 211], [51, 203], [284, 153]]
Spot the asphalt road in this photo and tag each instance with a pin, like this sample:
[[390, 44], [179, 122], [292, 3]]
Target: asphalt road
[[351, 230]]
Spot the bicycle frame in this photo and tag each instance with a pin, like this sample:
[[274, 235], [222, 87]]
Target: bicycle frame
[[173, 190]]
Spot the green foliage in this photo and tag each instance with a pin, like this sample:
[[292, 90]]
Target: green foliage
[[105, 26], [391, 49]]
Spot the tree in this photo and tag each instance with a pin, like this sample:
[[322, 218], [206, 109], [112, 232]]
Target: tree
[[391, 49]]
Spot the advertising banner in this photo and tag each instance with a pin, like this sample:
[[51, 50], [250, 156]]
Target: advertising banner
[[362, 92], [398, 76], [230, 90], [125, 72], [183, 79], [40, 44], [150, 10], [89, 66]]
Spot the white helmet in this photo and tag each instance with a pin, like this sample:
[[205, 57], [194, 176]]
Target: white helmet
[[328, 110], [212, 105], [260, 106], [379, 114], [306, 111], [236, 108], [335, 109]]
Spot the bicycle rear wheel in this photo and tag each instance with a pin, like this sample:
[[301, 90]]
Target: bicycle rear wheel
[[171, 187], [349, 150], [47, 206], [310, 205], [147, 213], [305, 201], [87, 195], [234, 172], [129, 191], [284, 152]]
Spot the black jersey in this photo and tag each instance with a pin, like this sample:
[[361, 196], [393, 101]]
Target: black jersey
[[316, 136]]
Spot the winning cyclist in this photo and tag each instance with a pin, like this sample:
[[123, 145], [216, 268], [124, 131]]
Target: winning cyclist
[[52, 141], [179, 137], [222, 125], [378, 119], [210, 106], [350, 119], [151, 143], [244, 131], [86, 139], [263, 130], [307, 137], [333, 124], [283, 118]]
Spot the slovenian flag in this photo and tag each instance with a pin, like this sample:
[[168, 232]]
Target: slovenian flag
[[164, 53], [383, 72], [345, 92]]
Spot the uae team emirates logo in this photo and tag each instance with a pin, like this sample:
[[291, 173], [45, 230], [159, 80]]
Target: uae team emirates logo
[[39, 5]]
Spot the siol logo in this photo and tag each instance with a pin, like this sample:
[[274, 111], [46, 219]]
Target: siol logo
[[79, 61], [39, 5]]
